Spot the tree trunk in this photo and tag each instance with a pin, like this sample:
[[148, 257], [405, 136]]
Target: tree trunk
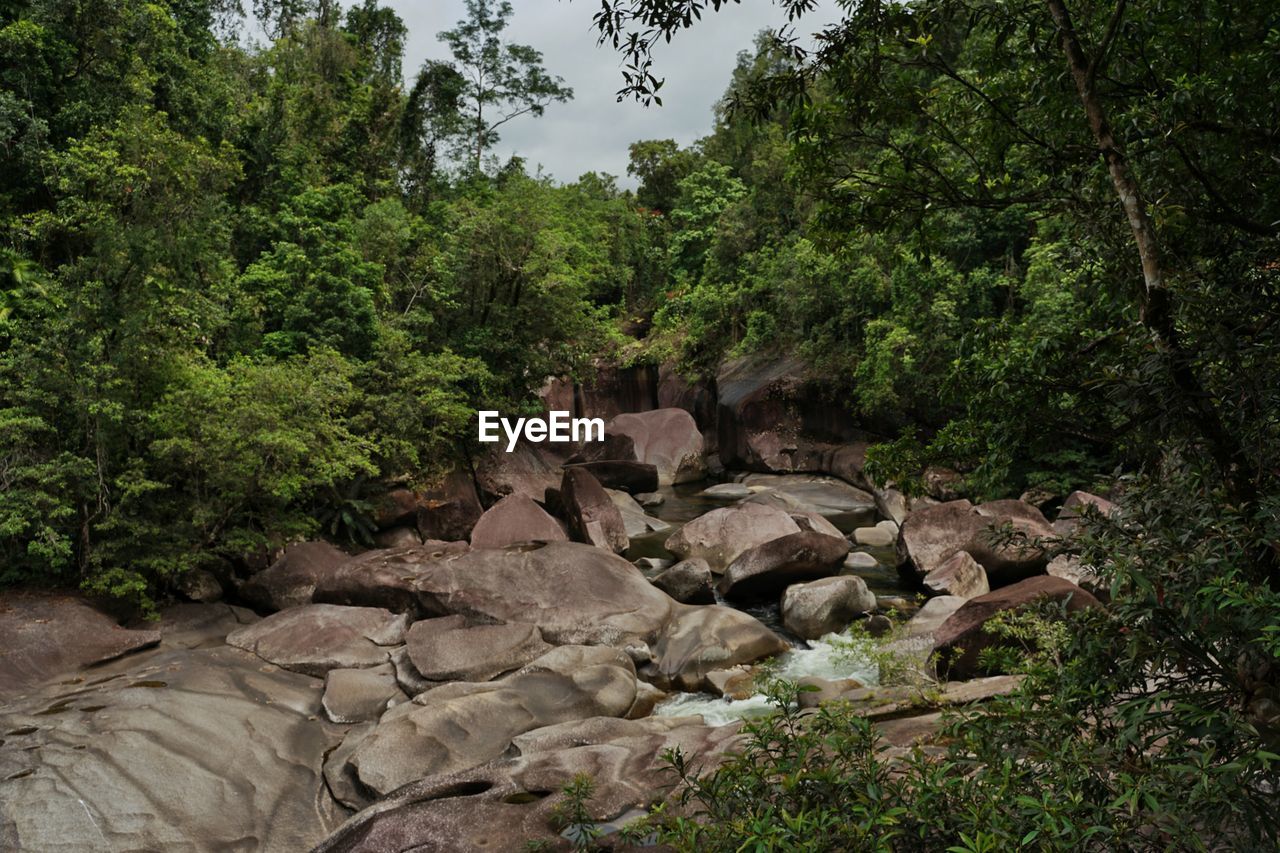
[[1155, 302]]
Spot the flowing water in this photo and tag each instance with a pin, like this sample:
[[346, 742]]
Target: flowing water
[[822, 658]]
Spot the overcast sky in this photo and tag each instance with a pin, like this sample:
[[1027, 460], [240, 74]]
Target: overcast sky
[[592, 132]]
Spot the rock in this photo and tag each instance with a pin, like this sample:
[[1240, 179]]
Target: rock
[[315, 638], [633, 477], [527, 470], [171, 749], [1074, 507], [825, 606], [825, 495], [650, 565], [447, 510], [892, 504], [878, 625], [591, 513], [1070, 568], [450, 649], [292, 579], [770, 567], [634, 518], [688, 582], [961, 638], [721, 535], [574, 593], [200, 585], [650, 499], [702, 639], [890, 526], [49, 634], [397, 537], [728, 491], [820, 691], [513, 520], [815, 523], [382, 578], [619, 448], [935, 611], [873, 537], [462, 725], [773, 417], [503, 805], [932, 535], [959, 575], [647, 698], [942, 484], [859, 561], [736, 683], [668, 439], [360, 695]]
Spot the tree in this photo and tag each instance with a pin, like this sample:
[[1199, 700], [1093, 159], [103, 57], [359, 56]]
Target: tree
[[503, 81]]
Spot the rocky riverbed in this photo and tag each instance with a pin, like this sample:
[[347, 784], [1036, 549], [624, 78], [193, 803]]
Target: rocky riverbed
[[549, 617]]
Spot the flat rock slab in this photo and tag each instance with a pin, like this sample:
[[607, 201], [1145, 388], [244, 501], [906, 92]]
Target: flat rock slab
[[43, 635], [829, 495], [503, 804], [462, 725], [450, 648], [174, 750], [316, 638]]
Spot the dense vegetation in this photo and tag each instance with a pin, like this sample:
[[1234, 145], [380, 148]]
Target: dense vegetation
[[1034, 241]]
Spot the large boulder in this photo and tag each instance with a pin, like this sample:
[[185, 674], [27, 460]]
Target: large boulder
[[772, 566], [930, 617], [170, 749], [828, 605], [529, 470], [593, 517], [632, 477], [1074, 508], [668, 439], [637, 522], [383, 578], [961, 638], [49, 634], [447, 510], [932, 535], [722, 534], [463, 725], [774, 417], [315, 638], [827, 496], [449, 648], [502, 805], [291, 580], [688, 581], [513, 520], [959, 575], [360, 695], [700, 640]]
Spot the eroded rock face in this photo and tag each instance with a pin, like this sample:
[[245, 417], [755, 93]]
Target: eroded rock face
[[316, 638], [46, 634], [593, 517], [932, 535], [463, 725], [959, 575], [961, 638], [291, 580], [810, 610], [505, 803], [449, 648], [668, 439], [173, 749], [722, 534], [513, 520], [771, 567]]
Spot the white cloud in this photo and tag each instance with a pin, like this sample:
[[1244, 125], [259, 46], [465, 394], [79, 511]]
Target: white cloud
[[592, 132]]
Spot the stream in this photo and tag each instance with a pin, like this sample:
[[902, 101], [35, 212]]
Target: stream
[[825, 658]]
